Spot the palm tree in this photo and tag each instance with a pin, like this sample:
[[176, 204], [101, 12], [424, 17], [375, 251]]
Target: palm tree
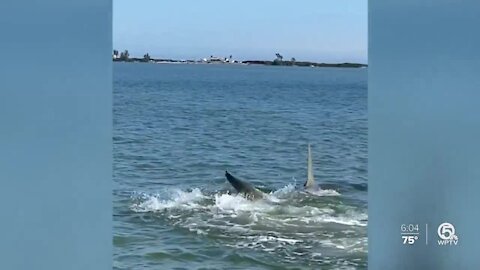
[[146, 57], [124, 55], [278, 60], [279, 57]]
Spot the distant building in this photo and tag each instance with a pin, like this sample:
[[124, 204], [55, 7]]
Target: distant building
[[216, 59]]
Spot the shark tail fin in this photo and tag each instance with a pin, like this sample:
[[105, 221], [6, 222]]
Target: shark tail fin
[[310, 179]]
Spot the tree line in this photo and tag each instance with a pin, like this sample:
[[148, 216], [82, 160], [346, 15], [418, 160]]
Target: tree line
[[125, 56]]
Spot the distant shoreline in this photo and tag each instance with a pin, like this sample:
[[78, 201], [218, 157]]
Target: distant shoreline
[[247, 62]]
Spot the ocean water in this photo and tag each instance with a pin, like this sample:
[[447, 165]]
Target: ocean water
[[177, 128]]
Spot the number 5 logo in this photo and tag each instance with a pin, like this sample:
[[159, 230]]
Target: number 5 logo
[[446, 231]]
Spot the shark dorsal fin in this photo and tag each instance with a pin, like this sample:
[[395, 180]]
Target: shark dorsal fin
[[247, 189], [310, 179]]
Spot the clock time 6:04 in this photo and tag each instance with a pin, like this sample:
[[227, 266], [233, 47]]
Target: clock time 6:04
[[409, 227]]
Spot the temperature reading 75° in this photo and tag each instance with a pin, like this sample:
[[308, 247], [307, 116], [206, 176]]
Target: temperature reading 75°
[[409, 239]]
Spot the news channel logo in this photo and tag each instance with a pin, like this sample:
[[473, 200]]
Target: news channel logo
[[446, 233]]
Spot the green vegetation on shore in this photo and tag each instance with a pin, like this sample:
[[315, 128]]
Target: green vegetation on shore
[[278, 61], [303, 64]]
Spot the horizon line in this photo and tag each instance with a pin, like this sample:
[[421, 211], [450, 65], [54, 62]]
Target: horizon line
[[179, 59]]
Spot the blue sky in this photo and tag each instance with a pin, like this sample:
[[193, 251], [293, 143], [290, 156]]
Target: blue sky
[[315, 30]]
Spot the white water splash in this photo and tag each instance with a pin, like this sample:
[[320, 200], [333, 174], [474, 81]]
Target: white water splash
[[179, 199], [286, 190], [268, 211], [324, 192], [236, 203], [278, 222]]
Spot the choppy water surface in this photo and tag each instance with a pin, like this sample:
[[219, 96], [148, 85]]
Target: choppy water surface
[[177, 128]]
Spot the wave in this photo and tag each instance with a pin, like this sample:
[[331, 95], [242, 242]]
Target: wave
[[179, 199], [324, 192], [286, 221], [283, 205]]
